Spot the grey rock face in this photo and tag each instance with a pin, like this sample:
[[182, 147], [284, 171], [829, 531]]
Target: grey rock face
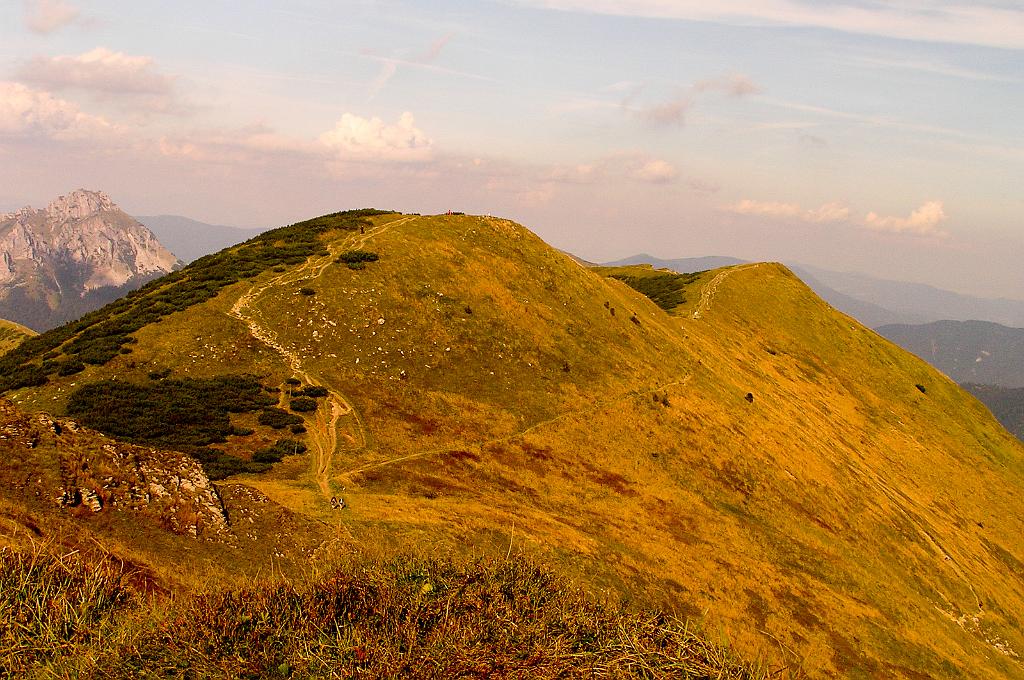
[[73, 256]]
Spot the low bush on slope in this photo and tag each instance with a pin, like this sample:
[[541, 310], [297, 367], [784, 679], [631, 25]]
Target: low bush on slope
[[665, 289], [398, 618], [185, 414]]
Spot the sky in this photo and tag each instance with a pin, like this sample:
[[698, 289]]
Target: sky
[[856, 135]]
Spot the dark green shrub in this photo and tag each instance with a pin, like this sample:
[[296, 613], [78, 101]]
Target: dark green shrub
[[355, 256], [70, 368], [277, 418], [665, 290], [314, 391], [185, 415], [277, 451], [303, 404], [307, 291]]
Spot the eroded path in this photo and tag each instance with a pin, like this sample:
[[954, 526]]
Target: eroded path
[[323, 431]]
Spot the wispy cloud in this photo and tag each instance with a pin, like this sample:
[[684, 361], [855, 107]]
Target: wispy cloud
[[934, 68], [638, 167], [828, 212], [673, 111], [389, 65], [943, 21], [46, 16]]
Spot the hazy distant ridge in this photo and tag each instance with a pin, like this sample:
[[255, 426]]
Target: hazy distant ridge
[[190, 239], [966, 351], [873, 302]]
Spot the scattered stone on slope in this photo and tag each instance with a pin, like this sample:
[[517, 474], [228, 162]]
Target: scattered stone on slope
[[99, 475]]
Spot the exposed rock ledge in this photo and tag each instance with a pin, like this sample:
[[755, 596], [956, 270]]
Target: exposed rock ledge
[[99, 475]]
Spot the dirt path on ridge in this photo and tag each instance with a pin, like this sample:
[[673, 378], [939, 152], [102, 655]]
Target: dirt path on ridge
[[323, 431], [707, 294]]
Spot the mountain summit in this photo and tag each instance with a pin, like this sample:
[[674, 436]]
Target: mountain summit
[[77, 254]]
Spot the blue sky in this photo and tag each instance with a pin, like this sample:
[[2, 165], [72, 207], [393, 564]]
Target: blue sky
[[883, 137]]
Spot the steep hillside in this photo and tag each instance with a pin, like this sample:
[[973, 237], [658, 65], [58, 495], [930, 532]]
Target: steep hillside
[[966, 351], [12, 334], [74, 256], [752, 455]]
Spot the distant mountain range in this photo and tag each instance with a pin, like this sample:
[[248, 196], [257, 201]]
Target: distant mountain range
[[190, 239], [966, 351], [76, 255], [874, 302], [920, 303], [1006, 404]]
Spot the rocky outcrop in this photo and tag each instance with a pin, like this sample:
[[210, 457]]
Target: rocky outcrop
[[73, 256], [98, 475]]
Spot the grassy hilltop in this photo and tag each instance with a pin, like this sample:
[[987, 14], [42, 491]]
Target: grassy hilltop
[[729, 448], [12, 334]]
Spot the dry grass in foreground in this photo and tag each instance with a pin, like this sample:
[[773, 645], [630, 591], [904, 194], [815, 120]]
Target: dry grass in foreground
[[403, 617]]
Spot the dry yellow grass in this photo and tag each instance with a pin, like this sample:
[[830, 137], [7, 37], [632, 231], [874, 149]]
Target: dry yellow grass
[[841, 520], [11, 334]]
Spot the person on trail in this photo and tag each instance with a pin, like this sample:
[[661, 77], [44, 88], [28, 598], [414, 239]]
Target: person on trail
[[334, 502], [341, 504]]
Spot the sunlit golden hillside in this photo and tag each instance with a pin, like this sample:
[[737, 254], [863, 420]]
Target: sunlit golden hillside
[[751, 457]]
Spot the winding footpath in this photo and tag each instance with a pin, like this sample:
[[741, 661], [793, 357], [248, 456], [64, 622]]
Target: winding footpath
[[323, 432]]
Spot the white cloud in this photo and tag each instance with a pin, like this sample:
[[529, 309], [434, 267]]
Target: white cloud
[[943, 21], [583, 173], [99, 70], [25, 112], [371, 139], [634, 166], [765, 208], [46, 16], [829, 212], [924, 221], [655, 171]]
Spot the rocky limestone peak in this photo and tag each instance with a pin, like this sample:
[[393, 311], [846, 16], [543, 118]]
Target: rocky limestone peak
[[51, 259], [78, 205]]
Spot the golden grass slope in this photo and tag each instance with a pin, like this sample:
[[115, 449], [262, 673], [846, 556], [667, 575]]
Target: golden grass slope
[[11, 334], [755, 457]]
